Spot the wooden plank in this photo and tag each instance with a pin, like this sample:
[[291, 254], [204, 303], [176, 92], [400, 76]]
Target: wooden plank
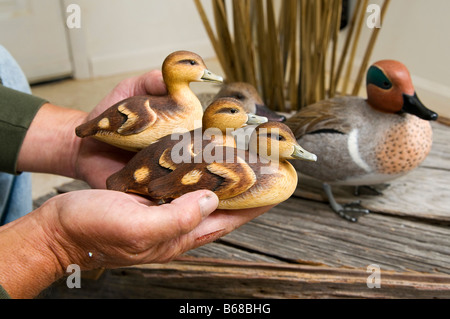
[[423, 193], [439, 156], [232, 279], [72, 186], [221, 251], [306, 232]]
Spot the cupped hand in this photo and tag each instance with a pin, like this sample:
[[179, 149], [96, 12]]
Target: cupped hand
[[95, 161], [102, 228]]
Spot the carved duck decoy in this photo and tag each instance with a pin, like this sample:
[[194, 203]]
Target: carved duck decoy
[[138, 121], [160, 158], [361, 142], [249, 96], [258, 177]]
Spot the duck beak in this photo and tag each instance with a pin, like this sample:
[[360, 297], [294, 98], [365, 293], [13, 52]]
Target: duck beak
[[253, 119], [271, 115], [302, 154], [208, 76], [412, 105]]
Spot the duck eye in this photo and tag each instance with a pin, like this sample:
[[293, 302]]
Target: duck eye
[[234, 111], [377, 77], [278, 137], [239, 96], [187, 61]]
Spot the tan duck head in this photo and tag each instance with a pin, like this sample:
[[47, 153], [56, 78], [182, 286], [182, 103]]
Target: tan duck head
[[249, 96], [227, 115], [241, 179], [138, 121]]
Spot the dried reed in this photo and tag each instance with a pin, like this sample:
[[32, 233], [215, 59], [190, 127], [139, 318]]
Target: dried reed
[[288, 48]]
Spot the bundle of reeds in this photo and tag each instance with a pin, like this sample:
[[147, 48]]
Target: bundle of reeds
[[288, 48]]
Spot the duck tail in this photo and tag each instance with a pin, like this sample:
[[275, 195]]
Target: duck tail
[[115, 183], [157, 190], [86, 129]]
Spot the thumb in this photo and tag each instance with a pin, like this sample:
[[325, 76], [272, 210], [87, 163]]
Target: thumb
[[154, 83], [183, 214]]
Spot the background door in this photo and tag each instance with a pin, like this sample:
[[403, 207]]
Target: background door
[[34, 33]]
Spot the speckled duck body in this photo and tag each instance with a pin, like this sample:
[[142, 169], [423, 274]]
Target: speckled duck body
[[366, 147]]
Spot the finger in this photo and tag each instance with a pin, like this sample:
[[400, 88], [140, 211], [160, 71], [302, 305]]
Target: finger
[[223, 222], [179, 217], [154, 83], [149, 83]]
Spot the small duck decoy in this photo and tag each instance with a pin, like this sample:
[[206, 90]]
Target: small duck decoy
[[258, 177], [160, 158], [253, 103], [362, 142], [138, 121]]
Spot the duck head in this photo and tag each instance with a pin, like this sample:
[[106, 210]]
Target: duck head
[[275, 141], [229, 113], [248, 95], [183, 67], [390, 89]]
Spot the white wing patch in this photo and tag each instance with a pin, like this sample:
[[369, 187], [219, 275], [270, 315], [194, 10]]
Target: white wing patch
[[353, 149]]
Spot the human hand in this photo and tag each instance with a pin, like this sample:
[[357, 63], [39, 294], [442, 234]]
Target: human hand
[[102, 228], [95, 161]]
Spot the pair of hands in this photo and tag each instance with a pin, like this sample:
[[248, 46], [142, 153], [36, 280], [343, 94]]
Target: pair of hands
[[101, 228], [153, 233], [133, 229]]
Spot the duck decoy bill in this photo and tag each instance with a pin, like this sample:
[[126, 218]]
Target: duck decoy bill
[[412, 105]]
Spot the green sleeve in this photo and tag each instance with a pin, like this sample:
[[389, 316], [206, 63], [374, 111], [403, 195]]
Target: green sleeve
[[17, 111], [4, 294]]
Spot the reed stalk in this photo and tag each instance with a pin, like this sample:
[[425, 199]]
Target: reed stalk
[[288, 49]]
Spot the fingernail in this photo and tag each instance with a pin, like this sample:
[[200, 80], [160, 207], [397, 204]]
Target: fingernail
[[208, 204]]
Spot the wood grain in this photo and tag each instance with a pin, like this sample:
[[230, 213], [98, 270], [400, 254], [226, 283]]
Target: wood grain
[[231, 279], [301, 249]]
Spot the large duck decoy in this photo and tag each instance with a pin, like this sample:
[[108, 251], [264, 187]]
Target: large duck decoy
[[241, 179], [160, 158], [361, 142], [249, 96], [138, 121]]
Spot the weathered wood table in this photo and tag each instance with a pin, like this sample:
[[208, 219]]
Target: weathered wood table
[[301, 249]]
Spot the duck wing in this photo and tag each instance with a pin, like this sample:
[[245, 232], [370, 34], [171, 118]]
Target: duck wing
[[226, 179], [152, 162], [327, 116], [130, 116]]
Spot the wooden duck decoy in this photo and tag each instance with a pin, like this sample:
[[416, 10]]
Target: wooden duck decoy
[[371, 141], [138, 121], [157, 159], [249, 96], [241, 179]]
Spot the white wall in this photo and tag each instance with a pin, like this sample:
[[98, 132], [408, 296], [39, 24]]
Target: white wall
[[123, 35], [417, 33]]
